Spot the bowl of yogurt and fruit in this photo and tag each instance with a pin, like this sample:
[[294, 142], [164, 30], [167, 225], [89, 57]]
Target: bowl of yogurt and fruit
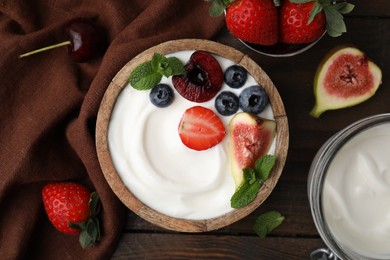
[[192, 135]]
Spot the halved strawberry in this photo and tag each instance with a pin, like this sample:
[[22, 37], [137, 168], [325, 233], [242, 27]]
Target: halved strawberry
[[200, 128]]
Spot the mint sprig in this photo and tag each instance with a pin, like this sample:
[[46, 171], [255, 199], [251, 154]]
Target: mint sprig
[[253, 180], [267, 222], [148, 74]]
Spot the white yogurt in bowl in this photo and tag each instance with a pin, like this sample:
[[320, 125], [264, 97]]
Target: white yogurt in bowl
[[155, 165], [153, 173], [349, 190]]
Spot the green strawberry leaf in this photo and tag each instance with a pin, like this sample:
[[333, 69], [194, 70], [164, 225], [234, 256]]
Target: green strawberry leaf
[[94, 204], [300, 1], [245, 194], [216, 8], [176, 66], [317, 8], [335, 20], [267, 222], [263, 166], [344, 7]]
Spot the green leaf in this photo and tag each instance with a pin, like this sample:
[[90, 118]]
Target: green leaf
[[216, 8], [144, 77], [344, 7], [277, 3], [249, 175], [267, 222], [148, 74], [160, 64], [90, 234], [94, 204], [317, 8], [245, 194], [263, 166], [334, 20], [300, 1], [332, 32], [177, 66]]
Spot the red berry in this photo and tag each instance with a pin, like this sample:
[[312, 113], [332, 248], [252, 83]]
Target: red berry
[[73, 209], [203, 79], [66, 202], [253, 21], [294, 27], [87, 40], [200, 128]]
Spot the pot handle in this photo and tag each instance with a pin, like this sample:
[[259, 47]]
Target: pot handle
[[323, 254]]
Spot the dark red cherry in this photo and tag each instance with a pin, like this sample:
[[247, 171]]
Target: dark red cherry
[[86, 40]]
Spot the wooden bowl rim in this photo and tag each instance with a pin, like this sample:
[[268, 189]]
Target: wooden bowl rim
[[114, 180]]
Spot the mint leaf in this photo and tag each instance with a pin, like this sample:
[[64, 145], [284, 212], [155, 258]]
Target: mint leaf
[[144, 77], [245, 194], [249, 175], [176, 66], [263, 166], [253, 180], [160, 64], [267, 222], [148, 74]]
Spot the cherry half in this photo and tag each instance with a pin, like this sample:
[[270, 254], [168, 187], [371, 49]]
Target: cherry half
[[85, 40]]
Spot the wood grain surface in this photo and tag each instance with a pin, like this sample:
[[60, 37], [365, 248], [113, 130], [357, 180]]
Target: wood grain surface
[[369, 30]]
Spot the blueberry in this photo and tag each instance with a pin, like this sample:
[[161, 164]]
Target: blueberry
[[161, 95], [253, 99], [235, 76], [226, 103]]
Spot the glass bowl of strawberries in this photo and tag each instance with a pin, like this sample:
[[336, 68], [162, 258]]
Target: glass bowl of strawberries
[[282, 28]]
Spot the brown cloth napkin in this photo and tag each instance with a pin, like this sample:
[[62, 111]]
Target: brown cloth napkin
[[48, 108]]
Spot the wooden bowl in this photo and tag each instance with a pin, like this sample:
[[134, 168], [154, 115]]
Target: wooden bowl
[[126, 196]]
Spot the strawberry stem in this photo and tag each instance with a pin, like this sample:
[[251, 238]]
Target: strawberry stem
[[45, 49]]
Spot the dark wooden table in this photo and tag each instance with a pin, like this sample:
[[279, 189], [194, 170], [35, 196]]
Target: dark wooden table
[[369, 30]]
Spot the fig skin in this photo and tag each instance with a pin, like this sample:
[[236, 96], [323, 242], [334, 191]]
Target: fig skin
[[332, 101]]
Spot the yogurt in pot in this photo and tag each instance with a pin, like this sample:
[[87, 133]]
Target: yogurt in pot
[[351, 207]]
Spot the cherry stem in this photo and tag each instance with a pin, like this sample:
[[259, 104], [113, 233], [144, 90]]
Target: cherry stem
[[45, 49]]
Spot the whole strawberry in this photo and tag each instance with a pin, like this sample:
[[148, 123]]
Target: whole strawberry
[[294, 25], [73, 209], [253, 21], [304, 21]]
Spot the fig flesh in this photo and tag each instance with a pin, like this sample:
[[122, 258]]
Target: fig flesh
[[346, 77], [250, 137]]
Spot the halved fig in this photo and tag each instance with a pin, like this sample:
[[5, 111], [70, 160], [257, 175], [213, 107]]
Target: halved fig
[[346, 77], [250, 137]]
